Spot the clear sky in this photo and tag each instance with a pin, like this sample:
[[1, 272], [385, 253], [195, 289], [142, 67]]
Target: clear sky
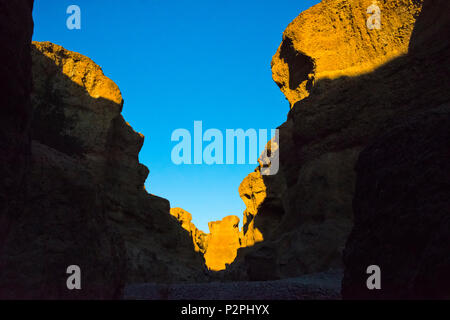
[[177, 62]]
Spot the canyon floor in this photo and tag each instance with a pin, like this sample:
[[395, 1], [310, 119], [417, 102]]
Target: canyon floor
[[326, 285]]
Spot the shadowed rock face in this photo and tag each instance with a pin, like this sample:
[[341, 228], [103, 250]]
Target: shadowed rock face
[[401, 203], [87, 204], [402, 212], [16, 29], [199, 238], [364, 83]]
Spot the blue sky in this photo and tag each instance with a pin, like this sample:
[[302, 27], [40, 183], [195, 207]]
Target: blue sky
[[177, 62]]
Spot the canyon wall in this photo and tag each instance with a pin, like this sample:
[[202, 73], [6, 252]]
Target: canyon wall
[[16, 29], [401, 203], [346, 84], [332, 39], [86, 204]]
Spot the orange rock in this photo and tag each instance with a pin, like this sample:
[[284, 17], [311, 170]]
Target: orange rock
[[224, 240], [199, 238], [252, 191], [332, 40]]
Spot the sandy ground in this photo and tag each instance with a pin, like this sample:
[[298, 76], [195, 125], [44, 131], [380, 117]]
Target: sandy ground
[[315, 286]]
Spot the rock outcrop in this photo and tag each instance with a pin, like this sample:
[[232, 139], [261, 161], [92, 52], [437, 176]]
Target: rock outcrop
[[401, 203], [347, 84], [86, 203], [332, 40], [199, 238], [252, 191], [223, 242], [219, 246]]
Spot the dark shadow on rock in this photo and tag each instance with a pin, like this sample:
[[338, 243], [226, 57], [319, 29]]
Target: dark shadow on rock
[[401, 203], [87, 204], [308, 215], [16, 29], [402, 212], [300, 65]]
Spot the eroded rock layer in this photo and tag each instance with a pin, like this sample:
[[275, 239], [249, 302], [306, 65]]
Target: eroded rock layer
[[364, 81]]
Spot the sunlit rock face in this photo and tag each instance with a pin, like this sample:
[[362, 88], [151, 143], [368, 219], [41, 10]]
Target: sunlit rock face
[[365, 80], [199, 238], [332, 40], [224, 240], [87, 204], [252, 191], [219, 246]]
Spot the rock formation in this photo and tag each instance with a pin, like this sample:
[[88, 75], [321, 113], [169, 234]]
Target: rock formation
[[332, 40], [252, 191], [346, 84], [223, 243], [401, 203], [219, 246], [86, 202], [199, 238], [15, 109]]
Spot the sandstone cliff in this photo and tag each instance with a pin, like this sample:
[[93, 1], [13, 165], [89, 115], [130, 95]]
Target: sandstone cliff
[[332, 40], [86, 202], [401, 203], [346, 84]]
